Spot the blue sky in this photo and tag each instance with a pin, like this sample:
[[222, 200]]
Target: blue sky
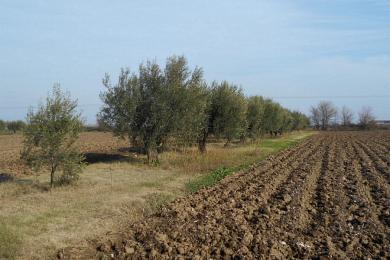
[[298, 52]]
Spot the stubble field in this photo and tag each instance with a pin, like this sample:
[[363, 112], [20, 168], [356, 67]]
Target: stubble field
[[328, 196]]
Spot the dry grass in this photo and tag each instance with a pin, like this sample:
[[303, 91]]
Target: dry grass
[[46, 221], [191, 161], [35, 222]]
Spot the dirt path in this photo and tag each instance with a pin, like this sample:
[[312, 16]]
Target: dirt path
[[328, 196]]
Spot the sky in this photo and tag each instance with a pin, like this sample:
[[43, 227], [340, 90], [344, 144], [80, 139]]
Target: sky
[[297, 52]]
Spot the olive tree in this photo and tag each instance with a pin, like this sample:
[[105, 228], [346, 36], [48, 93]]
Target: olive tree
[[255, 116], [188, 100], [299, 120], [50, 135], [154, 105], [228, 111], [273, 117]]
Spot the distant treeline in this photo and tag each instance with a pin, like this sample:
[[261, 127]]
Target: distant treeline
[[11, 126], [326, 116], [154, 105]]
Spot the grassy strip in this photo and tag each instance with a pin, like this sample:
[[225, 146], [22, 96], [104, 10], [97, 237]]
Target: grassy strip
[[269, 146]]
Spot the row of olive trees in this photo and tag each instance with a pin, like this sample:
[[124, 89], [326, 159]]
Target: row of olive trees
[[156, 105], [12, 126], [325, 114], [150, 108]]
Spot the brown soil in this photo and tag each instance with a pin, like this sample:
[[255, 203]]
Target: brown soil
[[327, 197], [98, 144]]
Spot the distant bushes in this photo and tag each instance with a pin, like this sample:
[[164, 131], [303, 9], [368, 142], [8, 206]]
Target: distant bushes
[[155, 105]]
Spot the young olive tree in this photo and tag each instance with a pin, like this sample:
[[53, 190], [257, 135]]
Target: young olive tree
[[228, 111], [50, 135]]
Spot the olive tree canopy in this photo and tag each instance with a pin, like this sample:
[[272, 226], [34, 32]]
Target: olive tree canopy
[[154, 105], [49, 137]]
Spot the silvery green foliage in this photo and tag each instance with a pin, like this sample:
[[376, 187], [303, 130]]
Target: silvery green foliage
[[154, 105], [50, 135], [228, 111]]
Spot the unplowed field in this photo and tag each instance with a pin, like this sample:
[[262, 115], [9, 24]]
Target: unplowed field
[[91, 142], [328, 196]]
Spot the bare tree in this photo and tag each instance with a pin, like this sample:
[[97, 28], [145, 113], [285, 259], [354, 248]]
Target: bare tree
[[346, 116], [366, 118], [327, 112], [315, 117]]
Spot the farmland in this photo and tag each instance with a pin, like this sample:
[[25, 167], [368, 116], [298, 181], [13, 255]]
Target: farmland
[[90, 143], [115, 189], [329, 196]]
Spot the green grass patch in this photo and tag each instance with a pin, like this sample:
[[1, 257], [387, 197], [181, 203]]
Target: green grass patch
[[209, 179], [268, 146]]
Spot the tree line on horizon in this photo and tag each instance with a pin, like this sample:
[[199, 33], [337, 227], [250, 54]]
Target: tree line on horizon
[[11, 126], [326, 115], [157, 104]]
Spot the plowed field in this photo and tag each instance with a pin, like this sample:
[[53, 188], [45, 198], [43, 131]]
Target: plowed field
[[89, 142], [328, 196]]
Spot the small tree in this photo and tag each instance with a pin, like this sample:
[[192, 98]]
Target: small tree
[[15, 126], [50, 135], [346, 116], [366, 118]]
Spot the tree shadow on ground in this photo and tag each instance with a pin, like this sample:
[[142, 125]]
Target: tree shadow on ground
[[4, 177], [91, 158], [26, 185]]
